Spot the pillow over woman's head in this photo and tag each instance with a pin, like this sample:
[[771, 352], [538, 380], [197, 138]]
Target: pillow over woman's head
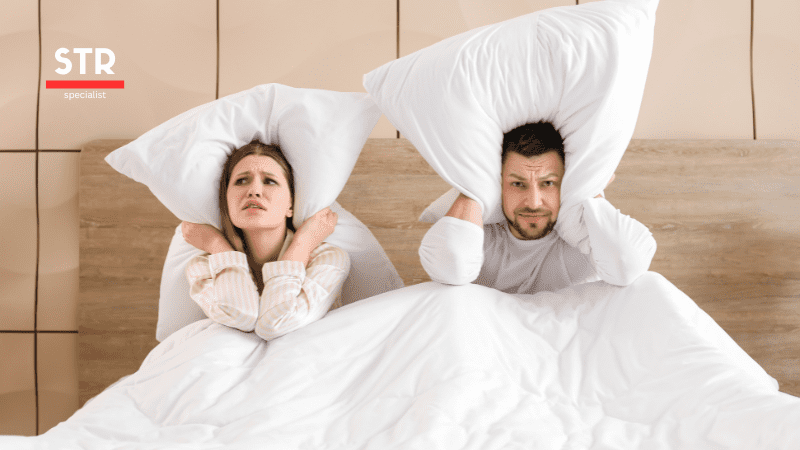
[[582, 68], [321, 134]]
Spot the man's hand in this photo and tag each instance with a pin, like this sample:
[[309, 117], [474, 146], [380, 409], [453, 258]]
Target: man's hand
[[607, 184], [465, 208], [205, 237]]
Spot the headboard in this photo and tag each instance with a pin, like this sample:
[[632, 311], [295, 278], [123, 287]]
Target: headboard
[[724, 214]]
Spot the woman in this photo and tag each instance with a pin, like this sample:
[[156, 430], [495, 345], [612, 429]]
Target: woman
[[258, 274]]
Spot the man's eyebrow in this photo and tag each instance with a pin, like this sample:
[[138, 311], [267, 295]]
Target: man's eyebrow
[[543, 177]]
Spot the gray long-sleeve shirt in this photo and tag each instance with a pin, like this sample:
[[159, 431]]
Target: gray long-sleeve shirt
[[456, 251]]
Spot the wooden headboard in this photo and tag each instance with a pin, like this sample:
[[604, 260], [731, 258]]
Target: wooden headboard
[[725, 215]]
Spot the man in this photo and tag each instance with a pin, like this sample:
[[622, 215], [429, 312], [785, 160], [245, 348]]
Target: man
[[524, 255]]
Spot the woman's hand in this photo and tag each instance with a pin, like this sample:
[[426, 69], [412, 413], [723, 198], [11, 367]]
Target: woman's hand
[[205, 238], [310, 234], [317, 227]]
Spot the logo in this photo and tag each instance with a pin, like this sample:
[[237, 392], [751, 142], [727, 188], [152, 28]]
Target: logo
[[103, 62]]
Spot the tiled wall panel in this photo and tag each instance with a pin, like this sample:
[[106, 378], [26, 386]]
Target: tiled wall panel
[[698, 85], [164, 51], [328, 46], [17, 240], [776, 69], [59, 231], [426, 22], [58, 378], [19, 73], [17, 394]]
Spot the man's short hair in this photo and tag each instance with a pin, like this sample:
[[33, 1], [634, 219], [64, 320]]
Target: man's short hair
[[533, 139]]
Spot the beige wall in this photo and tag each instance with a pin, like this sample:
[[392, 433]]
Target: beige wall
[[699, 80], [699, 86], [776, 69]]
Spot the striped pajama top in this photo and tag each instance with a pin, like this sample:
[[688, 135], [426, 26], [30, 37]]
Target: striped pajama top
[[293, 295]]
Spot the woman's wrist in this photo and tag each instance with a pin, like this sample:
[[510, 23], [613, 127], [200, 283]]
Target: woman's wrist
[[306, 239], [219, 245], [299, 249], [205, 237]]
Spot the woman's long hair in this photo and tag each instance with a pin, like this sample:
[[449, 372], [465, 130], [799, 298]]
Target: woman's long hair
[[233, 234]]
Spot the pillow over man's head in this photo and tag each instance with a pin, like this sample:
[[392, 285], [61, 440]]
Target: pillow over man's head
[[321, 133], [582, 68]]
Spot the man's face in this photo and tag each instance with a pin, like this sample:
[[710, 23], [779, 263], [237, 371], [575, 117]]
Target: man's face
[[532, 193]]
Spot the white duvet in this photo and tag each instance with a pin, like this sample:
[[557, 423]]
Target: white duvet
[[442, 367]]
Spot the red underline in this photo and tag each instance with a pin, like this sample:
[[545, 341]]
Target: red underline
[[84, 84]]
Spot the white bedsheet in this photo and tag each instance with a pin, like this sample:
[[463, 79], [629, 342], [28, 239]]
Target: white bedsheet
[[441, 367]]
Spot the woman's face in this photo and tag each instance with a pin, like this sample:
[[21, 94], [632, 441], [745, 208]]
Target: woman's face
[[258, 194]]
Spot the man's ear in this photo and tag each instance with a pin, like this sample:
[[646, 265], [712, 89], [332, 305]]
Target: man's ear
[[290, 212]]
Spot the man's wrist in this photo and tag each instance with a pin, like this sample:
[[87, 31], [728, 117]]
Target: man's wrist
[[465, 208]]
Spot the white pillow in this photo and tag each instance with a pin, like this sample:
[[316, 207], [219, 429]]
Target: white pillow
[[583, 68], [321, 133]]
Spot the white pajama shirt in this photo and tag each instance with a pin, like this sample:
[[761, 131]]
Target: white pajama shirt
[[456, 251], [293, 296]]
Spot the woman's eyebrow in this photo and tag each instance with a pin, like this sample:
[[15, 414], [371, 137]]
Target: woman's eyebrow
[[262, 173]]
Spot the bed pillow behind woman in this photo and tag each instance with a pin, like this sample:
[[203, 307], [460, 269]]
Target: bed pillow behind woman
[[321, 134]]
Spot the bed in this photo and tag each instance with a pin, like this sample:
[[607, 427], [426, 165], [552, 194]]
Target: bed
[[700, 353]]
